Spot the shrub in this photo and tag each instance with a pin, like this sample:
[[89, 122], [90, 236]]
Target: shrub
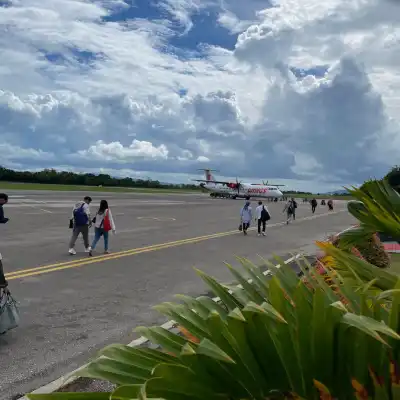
[[370, 248], [267, 339]]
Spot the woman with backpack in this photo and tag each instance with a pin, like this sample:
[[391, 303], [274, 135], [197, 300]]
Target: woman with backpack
[[103, 224]]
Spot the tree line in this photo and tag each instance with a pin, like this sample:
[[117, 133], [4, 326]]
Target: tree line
[[393, 177], [53, 177]]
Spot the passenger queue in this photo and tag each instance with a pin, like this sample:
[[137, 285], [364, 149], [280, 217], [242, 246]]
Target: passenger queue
[[263, 215]]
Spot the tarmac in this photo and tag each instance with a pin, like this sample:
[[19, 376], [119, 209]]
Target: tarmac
[[72, 306]]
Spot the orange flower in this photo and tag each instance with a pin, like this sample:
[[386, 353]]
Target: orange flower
[[357, 253], [361, 393], [188, 335], [324, 393]]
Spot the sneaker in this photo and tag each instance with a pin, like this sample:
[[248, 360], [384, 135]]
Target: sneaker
[[90, 253], [106, 252], [263, 233], [72, 252], [259, 234], [88, 250]]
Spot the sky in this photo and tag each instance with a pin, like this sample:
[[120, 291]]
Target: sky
[[300, 92]]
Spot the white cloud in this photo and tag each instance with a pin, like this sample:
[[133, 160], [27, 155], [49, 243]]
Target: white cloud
[[9, 153], [77, 90], [115, 151]]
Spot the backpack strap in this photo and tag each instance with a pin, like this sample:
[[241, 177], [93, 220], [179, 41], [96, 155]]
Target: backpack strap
[[79, 208], [102, 221]]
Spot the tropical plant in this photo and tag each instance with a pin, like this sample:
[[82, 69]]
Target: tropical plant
[[377, 208], [269, 338], [393, 177], [370, 249]]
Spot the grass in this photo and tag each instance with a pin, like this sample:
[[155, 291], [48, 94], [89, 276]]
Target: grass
[[395, 263], [318, 196], [4, 186]]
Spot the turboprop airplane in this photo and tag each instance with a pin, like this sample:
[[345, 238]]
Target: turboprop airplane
[[237, 189]]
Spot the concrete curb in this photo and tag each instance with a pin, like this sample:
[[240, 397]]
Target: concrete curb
[[68, 379]]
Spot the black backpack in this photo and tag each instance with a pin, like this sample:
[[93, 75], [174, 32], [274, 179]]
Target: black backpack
[[265, 215]]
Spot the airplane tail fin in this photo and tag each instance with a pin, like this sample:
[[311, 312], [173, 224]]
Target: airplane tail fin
[[209, 176]]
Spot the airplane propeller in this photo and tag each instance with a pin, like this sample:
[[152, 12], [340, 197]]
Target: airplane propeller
[[238, 185]]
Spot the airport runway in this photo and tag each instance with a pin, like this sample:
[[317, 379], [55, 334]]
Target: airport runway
[[71, 306]]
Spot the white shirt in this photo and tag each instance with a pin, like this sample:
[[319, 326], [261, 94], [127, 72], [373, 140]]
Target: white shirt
[[100, 218], [259, 210], [246, 214]]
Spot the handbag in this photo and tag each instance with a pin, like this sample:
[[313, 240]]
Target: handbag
[[9, 314], [106, 222]]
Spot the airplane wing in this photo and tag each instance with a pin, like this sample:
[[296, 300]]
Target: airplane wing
[[266, 184], [203, 180]]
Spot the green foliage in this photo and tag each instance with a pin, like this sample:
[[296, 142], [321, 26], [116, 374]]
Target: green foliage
[[393, 177], [370, 248], [270, 338], [377, 209], [51, 176]]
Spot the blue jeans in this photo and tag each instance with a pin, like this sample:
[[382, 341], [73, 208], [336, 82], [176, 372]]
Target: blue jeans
[[98, 232]]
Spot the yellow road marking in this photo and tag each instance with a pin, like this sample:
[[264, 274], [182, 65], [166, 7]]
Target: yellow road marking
[[78, 263], [23, 273]]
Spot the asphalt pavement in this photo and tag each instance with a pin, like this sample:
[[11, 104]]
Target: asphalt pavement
[[71, 306]]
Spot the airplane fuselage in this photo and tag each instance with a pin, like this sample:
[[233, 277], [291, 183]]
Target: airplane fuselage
[[246, 189]]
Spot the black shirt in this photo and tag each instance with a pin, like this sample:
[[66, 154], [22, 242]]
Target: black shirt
[[3, 220]]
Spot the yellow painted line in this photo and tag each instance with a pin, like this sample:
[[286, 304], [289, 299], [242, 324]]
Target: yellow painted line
[[81, 262], [23, 273]]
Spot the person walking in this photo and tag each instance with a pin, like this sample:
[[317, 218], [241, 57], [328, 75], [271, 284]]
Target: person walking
[[3, 220], [290, 208], [330, 205], [103, 224], [80, 224], [246, 216], [262, 216], [314, 204]]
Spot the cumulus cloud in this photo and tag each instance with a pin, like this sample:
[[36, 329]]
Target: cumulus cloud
[[80, 86], [115, 151]]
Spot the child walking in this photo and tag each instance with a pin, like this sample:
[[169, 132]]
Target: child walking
[[103, 224]]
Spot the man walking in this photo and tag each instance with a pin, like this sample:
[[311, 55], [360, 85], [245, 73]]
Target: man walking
[[3, 220], [314, 204], [290, 208], [262, 216], [80, 224]]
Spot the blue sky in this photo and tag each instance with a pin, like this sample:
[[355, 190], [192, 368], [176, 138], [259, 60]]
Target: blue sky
[[298, 91]]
